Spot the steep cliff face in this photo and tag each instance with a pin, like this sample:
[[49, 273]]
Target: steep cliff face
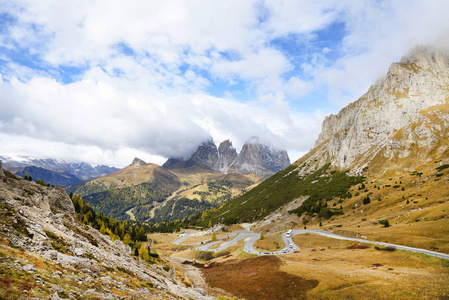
[[59, 256], [402, 119]]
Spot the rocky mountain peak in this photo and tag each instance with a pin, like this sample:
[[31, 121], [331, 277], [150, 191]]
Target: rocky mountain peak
[[227, 150], [406, 108], [427, 58], [226, 155], [138, 162], [206, 154]]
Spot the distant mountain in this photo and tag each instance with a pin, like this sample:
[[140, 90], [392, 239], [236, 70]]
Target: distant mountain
[[255, 158], [55, 171], [260, 159], [138, 186], [60, 178]]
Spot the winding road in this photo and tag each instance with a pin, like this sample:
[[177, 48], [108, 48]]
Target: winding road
[[290, 246]]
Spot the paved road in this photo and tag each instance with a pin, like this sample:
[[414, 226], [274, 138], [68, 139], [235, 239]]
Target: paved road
[[288, 242]]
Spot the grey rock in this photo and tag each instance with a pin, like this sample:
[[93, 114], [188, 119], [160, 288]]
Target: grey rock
[[29, 268], [394, 116]]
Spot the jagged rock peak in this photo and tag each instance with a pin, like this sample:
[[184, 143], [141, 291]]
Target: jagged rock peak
[[426, 57], [138, 162], [227, 150], [207, 153]]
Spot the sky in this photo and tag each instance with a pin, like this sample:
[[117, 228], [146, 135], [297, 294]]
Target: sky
[[104, 81]]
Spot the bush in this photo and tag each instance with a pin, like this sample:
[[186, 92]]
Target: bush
[[386, 223], [442, 167], [366, 200]]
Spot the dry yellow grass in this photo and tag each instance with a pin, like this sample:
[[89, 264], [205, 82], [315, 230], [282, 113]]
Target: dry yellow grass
[[366, 273], [271, 242]]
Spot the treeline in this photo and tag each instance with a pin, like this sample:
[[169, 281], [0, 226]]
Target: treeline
[[178, 209], [130, 233]]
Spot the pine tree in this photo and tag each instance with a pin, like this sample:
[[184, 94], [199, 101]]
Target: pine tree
[[214, 237]]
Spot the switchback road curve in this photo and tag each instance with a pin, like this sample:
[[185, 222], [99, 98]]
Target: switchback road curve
[[290, 246]]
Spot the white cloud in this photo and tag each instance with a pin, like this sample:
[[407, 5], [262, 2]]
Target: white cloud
[[145, 69]]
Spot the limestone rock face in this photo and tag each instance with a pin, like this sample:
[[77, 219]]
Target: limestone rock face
[[402, 115]]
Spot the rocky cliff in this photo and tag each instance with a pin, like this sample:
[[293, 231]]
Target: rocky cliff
[[402, 119], [55, 256]]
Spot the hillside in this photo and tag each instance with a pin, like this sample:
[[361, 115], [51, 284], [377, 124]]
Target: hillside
[[45, 253], [383, 157], [182, 187], [146, 191]]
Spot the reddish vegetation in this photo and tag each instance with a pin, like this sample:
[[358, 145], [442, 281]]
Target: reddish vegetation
[[258, 278], [5, 282], [357, 246]]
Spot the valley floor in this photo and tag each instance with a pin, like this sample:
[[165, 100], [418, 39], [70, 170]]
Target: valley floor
[[320, 268]]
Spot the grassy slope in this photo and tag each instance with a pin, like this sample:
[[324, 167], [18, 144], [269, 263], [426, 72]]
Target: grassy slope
[[280, 189], [149, 191]]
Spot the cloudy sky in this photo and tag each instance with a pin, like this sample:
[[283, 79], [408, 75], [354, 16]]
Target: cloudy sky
[[103, 81]]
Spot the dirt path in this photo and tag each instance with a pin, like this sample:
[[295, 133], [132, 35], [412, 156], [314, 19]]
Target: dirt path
[[191, 272]]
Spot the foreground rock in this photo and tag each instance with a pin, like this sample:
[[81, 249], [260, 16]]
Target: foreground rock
[[39, 222]]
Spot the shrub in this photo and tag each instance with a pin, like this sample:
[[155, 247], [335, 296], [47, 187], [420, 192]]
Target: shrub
[[442, 167], [386, 223], [366, 200]]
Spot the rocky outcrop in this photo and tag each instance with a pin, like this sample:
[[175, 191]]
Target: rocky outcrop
[[40, 221], [403, 115], [255, 158]]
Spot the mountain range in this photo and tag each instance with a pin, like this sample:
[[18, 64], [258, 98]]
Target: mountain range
[[182, 187], [55, 171]]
